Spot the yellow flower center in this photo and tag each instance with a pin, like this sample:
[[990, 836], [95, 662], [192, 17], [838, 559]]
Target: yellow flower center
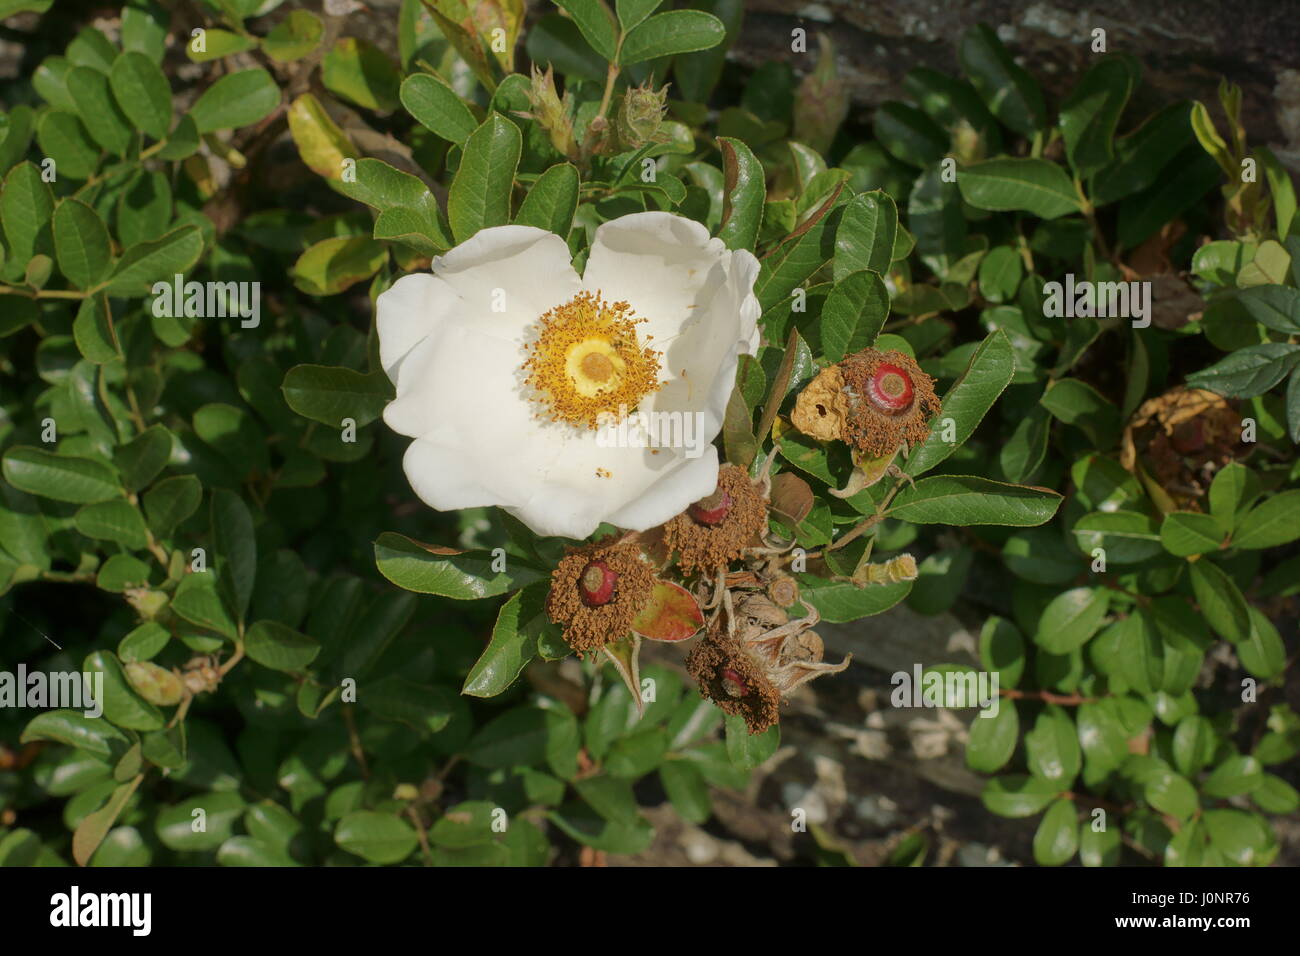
[[587, 361]]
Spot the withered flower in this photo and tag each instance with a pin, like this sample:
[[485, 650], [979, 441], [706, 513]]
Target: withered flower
[[747, 674], [597, 591], [1177, 441], [877, 402], [716, 530]]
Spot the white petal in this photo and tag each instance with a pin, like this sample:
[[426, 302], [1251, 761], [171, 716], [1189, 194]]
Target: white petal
[[691, 480], [467, 403], [507, 276], [666, 266], [637, 490], [701, 363], [406, 313]]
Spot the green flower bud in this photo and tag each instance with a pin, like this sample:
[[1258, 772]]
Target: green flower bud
[[640, 116], [551, 113], [155, 684]]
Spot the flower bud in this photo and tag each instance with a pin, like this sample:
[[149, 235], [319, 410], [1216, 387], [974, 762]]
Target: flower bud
[[551, 113], [155, 684], [640, 115]]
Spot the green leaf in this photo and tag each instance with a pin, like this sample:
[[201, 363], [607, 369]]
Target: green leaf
[[94, 735], [196, 600], [686, 790], [1275, 306], [26, 207], [145, 263], [527, 736], [1234, 489], [557, 41], [332, 265], [744, 191], [1099, 847], [363, 74], [1052, 748], [1274, 795], [1274, 522], [64, 139], [1243, 838], [552, 201], [1170, 793], [1126, 537], [520, 623], [218, 43], [61, 477], [293, 37], [1010, 93], [1071, 618], [1036, 186], [114, 520], [140, 460], [171, 501], [1091, 113], [437, 108], [279, 647], [1194, 744], [1235, 776], [1017, 795], [98, 110], [909, 135], [745, 750], [94, 332], [144, 209], [993, 738], [842, 601], [1189, 176], [799, 255], [1185, 533], [122, 705], [1263, 654], [853, 314], [1142, 155], [329, 395], [221, 811], [670, 33], [1057, 836], [1248, 371], [376, 837], [480, 193], [866, 234], [1077, 403], [235, 100], [596, 23], [81, 243], [464, 575], [236, 550], [966, 403], [968, 500], [1221, 601], [141, 89]]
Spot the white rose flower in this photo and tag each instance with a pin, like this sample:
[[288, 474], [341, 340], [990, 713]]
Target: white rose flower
[[510, 369]]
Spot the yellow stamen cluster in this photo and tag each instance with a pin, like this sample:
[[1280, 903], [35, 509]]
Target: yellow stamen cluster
[[587, 362]]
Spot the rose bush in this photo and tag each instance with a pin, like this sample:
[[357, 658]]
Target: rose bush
[[333, 395]]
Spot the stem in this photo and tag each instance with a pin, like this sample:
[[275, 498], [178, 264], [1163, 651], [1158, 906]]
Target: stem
[[611, 75]]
